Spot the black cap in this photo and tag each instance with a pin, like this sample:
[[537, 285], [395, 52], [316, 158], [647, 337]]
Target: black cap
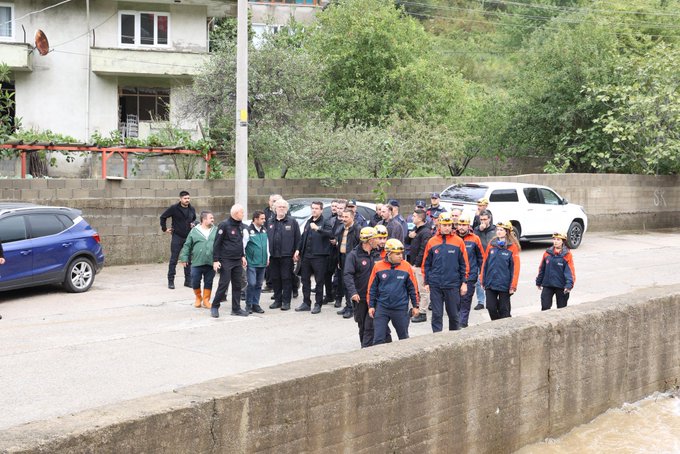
[[394, 202]]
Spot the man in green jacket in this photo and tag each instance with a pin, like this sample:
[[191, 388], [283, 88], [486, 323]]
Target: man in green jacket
[[199, 248], [257, 256]]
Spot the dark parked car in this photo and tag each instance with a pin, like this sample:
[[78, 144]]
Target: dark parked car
[[300, 209], [47, 245]]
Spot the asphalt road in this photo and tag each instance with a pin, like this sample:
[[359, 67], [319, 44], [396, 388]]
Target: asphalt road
[[130, 336]]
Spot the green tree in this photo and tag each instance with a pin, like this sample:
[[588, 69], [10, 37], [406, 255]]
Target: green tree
[[362, 48], [638, 130], [283, 88]]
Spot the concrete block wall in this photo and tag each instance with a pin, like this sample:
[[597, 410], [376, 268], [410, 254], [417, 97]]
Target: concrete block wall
[[492, 388], [125, 212]]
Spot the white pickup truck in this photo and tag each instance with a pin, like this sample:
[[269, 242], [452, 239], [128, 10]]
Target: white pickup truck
[[536, 212]]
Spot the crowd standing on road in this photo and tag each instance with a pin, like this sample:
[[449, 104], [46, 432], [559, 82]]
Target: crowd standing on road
[[387, 270]]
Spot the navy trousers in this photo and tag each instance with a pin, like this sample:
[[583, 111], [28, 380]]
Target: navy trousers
[[400, 319], [448, 298]]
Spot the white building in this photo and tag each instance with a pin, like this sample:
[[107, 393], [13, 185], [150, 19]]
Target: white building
[[114, 65]]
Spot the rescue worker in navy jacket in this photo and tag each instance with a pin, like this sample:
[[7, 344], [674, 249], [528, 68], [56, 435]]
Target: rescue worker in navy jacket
[[358, 266], [556, 274], [500, 271], [445, 273], [284, 249], [314, 251], [229, 260], [475, 254], [183, 217], [390, 288]]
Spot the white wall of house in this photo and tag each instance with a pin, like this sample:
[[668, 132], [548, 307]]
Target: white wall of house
[[63, 94]]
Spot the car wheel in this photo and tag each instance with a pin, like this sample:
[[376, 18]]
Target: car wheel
[[574, 235], [79, 275]]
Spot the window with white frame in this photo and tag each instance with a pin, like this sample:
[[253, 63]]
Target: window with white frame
[[139, 29], [6, 21]]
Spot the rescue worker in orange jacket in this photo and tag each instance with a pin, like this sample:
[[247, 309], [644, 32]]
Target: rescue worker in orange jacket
[[475, 255], [390, 288], [500, 271], [556, 274], [445, 273]]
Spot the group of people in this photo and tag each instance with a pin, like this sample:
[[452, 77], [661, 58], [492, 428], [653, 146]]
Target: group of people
[[387, 269]]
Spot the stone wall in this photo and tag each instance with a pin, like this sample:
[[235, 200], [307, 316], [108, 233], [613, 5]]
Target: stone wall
[[125, 212], [492, 388]]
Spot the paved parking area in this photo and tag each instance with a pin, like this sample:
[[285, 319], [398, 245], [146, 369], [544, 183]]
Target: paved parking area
[[130, 336]]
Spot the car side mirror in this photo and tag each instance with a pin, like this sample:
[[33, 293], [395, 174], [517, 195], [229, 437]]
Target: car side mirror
[[564, 201]]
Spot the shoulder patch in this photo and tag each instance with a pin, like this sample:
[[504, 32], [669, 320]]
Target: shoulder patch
[[220, 231]]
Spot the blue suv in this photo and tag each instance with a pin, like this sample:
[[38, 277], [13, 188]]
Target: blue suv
[[47, 245]]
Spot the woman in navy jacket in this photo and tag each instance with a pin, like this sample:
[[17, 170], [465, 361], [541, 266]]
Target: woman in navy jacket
[[556, 275], [500, 271]]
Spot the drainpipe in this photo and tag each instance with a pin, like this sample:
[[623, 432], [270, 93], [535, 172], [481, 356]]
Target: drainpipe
[[89, 67]]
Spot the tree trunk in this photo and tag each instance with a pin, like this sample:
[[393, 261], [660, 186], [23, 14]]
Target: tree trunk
[[284, 171], [37, 165], [259, 168]]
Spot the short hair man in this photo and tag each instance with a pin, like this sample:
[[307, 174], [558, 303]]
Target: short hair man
[[257, 257], [198, 251], [229, 260], [315, 248], [183, 217]]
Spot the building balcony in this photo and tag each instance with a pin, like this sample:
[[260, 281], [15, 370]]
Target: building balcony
[[154, 63], [17, 56]]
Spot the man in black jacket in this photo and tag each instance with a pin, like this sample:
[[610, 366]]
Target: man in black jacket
[[229, 260], [419, 238], [346, 239], [314, 250], [183, 217], [358, 266], [283, 234]]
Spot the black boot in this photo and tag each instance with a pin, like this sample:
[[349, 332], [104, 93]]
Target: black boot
[[187, 282], [285, 307], [422, 317], [171, 284], [316, 309], [275, 305]]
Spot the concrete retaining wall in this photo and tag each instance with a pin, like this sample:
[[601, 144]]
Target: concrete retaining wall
[[492, 388], [126, 212]]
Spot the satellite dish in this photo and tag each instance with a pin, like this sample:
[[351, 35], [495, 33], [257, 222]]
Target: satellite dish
[[41, 42]]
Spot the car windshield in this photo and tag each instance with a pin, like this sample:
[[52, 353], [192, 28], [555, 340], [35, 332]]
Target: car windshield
[[300, 210], [464, 193]]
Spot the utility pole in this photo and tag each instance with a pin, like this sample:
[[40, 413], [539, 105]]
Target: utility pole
[[241, 177]]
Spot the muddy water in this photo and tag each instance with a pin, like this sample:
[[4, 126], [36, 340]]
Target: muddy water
[[651, 425]]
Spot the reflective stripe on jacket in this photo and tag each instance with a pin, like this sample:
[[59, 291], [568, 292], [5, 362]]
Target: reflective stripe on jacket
[[475, 255], [392, 286], [445, 261], [500, 271], [556, 270]]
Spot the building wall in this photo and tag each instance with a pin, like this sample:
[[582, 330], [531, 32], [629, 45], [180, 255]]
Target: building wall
[[492, 388], [126, 213]]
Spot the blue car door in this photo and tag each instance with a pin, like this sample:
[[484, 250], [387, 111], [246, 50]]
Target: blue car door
[[18, 250], [52, 248]]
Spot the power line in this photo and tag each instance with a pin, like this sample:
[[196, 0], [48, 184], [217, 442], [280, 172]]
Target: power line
[[525, 26], [86, 33], [528, 16], [34, 12], [574, 9]]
